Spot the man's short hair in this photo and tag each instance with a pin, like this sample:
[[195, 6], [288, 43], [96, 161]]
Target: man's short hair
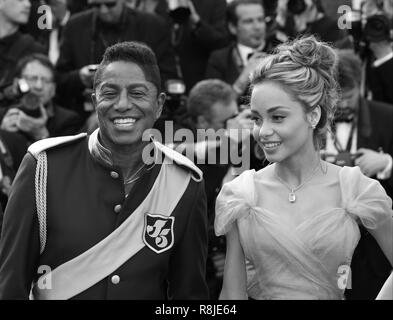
[[39, 57], [377, 28], [133, 52], [205, 94], [232, 17]]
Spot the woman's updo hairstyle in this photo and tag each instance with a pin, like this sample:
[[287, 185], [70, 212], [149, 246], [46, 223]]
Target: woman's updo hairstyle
[[307, 68]]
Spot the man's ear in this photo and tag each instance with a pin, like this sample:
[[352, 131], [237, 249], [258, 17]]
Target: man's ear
[[202, 123], [94, 99], [232, 29], [160, 104]]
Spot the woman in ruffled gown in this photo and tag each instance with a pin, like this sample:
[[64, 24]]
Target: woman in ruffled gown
[[292, 227]]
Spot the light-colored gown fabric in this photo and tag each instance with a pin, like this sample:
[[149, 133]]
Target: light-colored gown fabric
[[307, 261]]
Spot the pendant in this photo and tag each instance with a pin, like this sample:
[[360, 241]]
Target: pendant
[[292, 197]]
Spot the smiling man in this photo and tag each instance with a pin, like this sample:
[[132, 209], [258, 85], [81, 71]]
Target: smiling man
[[109, 225]]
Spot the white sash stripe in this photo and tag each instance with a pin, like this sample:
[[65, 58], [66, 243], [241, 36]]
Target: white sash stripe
[[85, 270]]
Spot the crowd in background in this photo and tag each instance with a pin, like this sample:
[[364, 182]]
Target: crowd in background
[[206, 50]]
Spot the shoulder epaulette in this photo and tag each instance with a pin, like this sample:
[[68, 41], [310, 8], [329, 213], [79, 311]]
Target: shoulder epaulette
[[180, 160], [49, 143]]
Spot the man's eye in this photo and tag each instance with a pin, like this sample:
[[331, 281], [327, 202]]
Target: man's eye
[[108, 94], [258, 121], [137, 93]]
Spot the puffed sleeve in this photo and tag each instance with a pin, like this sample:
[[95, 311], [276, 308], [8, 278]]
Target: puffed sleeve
[[234, 202], [365, 198]]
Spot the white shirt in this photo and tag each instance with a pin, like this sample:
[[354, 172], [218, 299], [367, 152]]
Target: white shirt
[[244, 51], [382, 60], [54, 44], [343, 130]]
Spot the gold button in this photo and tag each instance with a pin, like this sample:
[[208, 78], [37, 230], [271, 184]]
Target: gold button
[[115, 279], [117, 208], [114, 174]]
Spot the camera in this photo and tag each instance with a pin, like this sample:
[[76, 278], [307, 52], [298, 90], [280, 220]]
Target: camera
[[342, 159], [93, 67], [296, 6], [179, 10], [30, 105], [375, 29], [345, 159], [12, 92], [176, 98]]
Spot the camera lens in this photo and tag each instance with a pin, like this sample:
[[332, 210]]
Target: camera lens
[[296, 6]]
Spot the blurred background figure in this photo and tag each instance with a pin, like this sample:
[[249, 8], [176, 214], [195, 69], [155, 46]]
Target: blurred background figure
[[13, 147], [35, 115], [13, 44], [212, 105], [198, 27], [55, 18], [300, 17], [89, 33], [233, 64], [379, 75], [362, 135]]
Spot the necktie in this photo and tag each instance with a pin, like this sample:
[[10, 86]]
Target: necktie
[[54, 46]]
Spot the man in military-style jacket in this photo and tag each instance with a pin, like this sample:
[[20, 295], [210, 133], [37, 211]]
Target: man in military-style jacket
[[108, 216]]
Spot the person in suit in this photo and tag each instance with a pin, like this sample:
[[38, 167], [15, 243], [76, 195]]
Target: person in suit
[[212, 107], [13, 44], [120, 221], [362, 135], [233, 64], [89, 33], [195, 34], [36, 115], [13, 147], [380, 69]]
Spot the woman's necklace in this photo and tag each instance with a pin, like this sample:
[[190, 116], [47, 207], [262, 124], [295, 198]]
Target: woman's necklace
[[292, 195]]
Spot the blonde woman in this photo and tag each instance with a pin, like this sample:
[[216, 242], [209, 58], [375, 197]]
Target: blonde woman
[[295, 222]]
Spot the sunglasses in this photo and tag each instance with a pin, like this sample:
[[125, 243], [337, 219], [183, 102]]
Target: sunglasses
[[108, 4]]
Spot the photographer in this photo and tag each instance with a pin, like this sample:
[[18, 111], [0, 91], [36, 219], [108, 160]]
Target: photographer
[[35, 115], [13, 147], [87, 35], [380, 65], [300, 17], [362, 136], [212, 106], [198, 27]]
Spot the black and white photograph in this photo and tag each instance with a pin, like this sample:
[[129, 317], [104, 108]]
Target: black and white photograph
[[190, 154]]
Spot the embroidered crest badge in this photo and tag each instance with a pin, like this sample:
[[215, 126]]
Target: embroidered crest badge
[[158, 232]]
